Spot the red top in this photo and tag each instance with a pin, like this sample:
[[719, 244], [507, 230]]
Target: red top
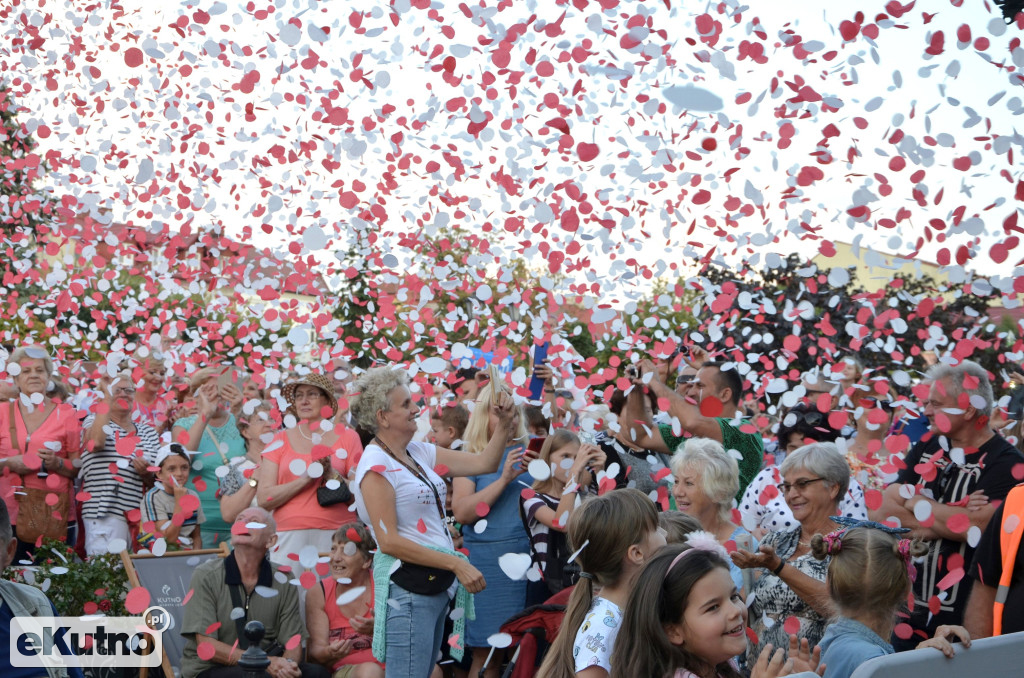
[[61, 431], [362, 652], [302, 512]]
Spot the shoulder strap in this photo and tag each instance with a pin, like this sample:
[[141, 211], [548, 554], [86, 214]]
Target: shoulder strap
[[236, 603], [421, 475], [1009, 543], [14, 427], [216, 443]]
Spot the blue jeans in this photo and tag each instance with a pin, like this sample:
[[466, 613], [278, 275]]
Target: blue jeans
[[415, 630]]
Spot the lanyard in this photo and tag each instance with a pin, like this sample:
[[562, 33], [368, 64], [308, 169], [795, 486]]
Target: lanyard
[[420, 474]]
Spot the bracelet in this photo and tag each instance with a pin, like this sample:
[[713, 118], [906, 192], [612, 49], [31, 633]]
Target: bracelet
[[550, 390], [778, 569]]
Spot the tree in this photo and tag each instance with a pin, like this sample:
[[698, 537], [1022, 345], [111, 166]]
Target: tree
[[810, 318], [26, 208], [355, 303]]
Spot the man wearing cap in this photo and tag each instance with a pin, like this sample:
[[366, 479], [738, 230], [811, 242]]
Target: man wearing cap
[[228, 593], [305, 472], [708, 408]]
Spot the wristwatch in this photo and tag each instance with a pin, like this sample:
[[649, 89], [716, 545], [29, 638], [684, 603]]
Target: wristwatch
[[253, 482]]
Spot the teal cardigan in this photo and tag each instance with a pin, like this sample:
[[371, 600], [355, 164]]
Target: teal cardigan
[[383, 565]]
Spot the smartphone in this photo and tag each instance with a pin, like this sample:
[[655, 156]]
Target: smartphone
[[1015, 410], [495, 376], [540, 354], [231, 377]]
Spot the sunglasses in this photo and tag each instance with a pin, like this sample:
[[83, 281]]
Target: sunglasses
[[871, 401], [812, 418]]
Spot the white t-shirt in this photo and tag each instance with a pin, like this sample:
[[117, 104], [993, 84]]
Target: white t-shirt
[[595, 639], [775, 514], [415, 505]]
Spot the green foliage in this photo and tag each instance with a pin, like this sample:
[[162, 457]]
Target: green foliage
[[77, 587], [889, 326], [356, 307], [25, 208], [581, 339]]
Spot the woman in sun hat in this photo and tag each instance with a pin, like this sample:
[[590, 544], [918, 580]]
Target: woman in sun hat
[[305, 473]]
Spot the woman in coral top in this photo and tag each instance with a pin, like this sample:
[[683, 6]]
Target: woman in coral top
[[312, 454], [339, 612], [40, 441]]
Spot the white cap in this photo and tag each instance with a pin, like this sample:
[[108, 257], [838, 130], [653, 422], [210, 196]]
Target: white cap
[[168, 450]]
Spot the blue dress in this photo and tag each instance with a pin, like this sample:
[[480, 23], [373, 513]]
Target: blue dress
[[847, 644], [504, 533]]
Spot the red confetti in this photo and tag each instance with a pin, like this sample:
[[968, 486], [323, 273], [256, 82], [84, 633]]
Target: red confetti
[[133, 57], [791, 625], [137, 600], [959, 523]]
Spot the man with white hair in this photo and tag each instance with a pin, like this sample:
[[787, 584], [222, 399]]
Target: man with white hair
[[227, 593], [946, 489]]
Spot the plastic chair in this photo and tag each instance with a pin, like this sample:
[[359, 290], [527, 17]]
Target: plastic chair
[[999, 656]]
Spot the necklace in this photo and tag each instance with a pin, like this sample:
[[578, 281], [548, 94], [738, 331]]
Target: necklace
[[829, 526], [303, 433]]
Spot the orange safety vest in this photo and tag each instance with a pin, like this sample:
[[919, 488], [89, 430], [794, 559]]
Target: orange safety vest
[[1009, 544]]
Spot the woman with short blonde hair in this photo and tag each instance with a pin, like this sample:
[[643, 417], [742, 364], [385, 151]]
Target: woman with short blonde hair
[[706, 480]]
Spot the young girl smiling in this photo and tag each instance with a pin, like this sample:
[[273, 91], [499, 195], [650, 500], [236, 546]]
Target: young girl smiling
[[685, 619]]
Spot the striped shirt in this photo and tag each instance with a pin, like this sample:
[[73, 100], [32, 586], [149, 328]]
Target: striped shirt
[[108, 476], [539, 532]]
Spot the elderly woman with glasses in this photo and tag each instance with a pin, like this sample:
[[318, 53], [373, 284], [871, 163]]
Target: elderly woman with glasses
[[305, 473], [791, 596], [763, 509], [40, 441]]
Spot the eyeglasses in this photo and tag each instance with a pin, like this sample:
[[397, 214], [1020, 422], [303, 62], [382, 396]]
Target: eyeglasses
[[124, 391], [309, 395], [799, 485]]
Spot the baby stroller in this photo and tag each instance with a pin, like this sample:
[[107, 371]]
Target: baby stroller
[[532, 631]]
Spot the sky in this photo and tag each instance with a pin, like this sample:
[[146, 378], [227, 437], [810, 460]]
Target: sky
[[220, 97], [608, 144]]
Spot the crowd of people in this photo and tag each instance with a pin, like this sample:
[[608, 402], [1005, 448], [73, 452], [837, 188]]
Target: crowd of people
[[375, 533]]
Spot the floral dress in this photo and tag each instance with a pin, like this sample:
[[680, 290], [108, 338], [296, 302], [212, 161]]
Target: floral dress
[[774, 603]]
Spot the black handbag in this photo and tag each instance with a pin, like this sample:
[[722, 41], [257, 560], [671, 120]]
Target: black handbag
[[427, 581], [329, 496]]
